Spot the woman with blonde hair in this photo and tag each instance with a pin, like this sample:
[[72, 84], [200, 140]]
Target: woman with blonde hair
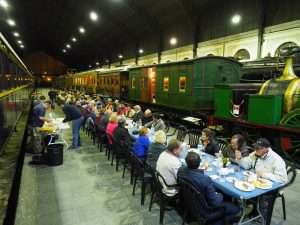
[[157, 147], [111, 126], [141, 145]]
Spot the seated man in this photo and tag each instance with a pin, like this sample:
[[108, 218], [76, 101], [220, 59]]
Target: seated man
[[122, 136], [264, 161], [168, 164], [139, 115], [204, 184], [237, 144], [157, 123], [147, 116], [269, 165]]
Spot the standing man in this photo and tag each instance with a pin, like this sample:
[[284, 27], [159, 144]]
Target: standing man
[[73, 113], [37, 121], [52, 95]]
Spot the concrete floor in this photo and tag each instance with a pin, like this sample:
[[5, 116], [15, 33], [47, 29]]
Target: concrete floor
[[86, 190]]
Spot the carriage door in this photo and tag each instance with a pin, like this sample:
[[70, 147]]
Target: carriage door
[[152, 84]]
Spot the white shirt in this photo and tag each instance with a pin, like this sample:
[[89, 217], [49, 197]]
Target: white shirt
[[272, 166], [167, 165]]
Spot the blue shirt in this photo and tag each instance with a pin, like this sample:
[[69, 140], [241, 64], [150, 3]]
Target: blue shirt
[[141, 145], [37, 112]]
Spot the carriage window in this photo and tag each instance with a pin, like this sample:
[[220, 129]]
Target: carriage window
[[166, 84], [182, 84], [133, 83]]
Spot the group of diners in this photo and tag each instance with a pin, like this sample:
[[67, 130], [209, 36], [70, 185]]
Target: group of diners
[[165, 156]]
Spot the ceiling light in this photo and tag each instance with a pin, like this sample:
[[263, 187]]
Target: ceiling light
[[20, 42], [64, 50], [141, 51], [236, 19], [16, 34], [120, 56], [22, 46], [173, 41], [68, 45], [81, 30], [97, 63], [93, 16], [4, 4], [74, 39], [107, 60], [90, 66], [11, 22]]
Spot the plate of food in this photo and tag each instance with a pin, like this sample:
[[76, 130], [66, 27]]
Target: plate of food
[[244, 186], [263, 183]]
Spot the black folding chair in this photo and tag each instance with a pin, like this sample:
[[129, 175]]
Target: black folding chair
[[292, 173], [181, 133], [164, 199], [195, 206], [194, 137]]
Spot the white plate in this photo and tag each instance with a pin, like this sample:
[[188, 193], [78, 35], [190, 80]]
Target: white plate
[[239, 185], [214, 176]]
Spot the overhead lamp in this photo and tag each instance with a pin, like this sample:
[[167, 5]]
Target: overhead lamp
[[93, 16], [74, 39], [90, 66], [97, 63], [141, 51], [11, 22], [4, 4], [64, 50], [120, 56], [68, 46], [20, 42], [173, 41], [107, 60], [16, 34], [236, 19], [22, 46], [81, 30]]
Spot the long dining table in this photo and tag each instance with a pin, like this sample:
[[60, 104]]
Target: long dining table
[[226, 182]]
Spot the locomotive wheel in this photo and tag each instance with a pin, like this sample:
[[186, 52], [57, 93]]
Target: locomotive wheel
[[292, 119], [290, 143]]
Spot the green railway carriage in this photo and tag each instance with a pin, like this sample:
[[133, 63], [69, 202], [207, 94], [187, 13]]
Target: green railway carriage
[[186, 85]]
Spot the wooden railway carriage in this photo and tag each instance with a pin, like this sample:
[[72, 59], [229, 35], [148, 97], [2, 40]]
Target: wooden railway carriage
[[111, 82], [273, 111], [186, 85]]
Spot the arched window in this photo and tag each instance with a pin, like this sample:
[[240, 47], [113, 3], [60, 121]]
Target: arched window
[[242, 54], [283, 48]]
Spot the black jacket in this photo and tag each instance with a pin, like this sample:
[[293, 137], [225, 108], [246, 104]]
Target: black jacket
[[153, 153], [212, 148], [138, 116], [71, 112], [122, 138]]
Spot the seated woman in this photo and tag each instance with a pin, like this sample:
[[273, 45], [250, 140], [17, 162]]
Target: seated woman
[[111, 126], [209, 142], [157, 147], [142, 143]]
